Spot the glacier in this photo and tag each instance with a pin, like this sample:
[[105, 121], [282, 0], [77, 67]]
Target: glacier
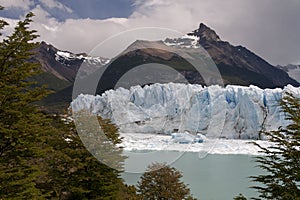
[[231, 112]]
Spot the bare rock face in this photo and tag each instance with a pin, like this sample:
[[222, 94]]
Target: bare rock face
[[205, 33]]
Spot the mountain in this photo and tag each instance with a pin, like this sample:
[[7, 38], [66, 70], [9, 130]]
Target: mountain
[[62, 66], [292, 70], [231, 112], [237, 65], [59, 72], [240, 61]]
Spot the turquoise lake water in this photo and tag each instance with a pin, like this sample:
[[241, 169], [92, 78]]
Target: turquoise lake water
[[211, 177]]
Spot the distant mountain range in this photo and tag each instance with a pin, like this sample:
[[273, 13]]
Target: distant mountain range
[[237, 64]]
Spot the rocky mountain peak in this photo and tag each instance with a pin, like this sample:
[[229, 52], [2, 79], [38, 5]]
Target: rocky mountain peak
[[205, 33]]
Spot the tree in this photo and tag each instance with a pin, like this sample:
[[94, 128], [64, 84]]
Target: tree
[[162, 182], [281, 161], [16, 93], [21, 122], [36, 162], [73, 173]]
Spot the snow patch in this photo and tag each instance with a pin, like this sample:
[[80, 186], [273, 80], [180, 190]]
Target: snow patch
[[186, 41], [64, 57]]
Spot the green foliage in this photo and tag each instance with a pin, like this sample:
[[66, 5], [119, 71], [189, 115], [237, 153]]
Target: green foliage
[[282, 160], [240, 197], [110, 130], [36, 162], [100, 142], [73, 173], [52, 82], [162, 182], [20, 121], [16, 93]]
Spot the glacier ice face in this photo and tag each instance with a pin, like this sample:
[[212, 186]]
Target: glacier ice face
[[230, 112]]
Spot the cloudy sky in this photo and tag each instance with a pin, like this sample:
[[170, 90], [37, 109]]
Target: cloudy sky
[[270, 28]]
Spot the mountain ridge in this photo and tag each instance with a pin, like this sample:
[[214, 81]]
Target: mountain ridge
[[222, 52], [237, 64]]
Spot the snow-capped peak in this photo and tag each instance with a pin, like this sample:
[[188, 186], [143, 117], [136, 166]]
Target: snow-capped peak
[[65, 57]]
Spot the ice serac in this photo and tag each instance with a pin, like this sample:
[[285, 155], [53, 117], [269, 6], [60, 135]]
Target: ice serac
[[230, 112]]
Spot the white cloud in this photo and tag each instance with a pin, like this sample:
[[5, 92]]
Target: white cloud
[[77, 35], [8, 29], [268, 27], [55, 4], [23, 4]]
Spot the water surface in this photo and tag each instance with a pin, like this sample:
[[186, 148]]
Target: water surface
[[214, 177]]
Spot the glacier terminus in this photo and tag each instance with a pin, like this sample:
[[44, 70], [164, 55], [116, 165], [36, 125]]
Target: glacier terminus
[[231, 112]]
